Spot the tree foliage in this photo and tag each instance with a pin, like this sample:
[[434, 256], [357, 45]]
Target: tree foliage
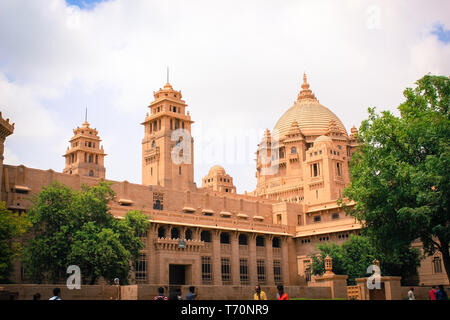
[[12, 227], [400, 172], [354, 256], [76, 228]]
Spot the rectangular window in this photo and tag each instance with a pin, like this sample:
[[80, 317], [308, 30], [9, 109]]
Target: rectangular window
[[206, 270], [158, 201], [299, 219], [261, 271], [141, 268], [316, 169], [307, 269], [335, 216], [243, 267], [317, 218], [338, 169], [226, 271], [277, 271]]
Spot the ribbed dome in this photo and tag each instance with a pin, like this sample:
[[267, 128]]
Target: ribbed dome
[[312, 117], [216, 169], [322, 139]]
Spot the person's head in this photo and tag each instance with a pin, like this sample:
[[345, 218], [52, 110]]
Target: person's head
[[179, 291], [258, 288], [37, 296], [433, 287], [56, 291], [280, 288], [191, 289], [412, 289], [161, 290], [116, 281], [441, 287]]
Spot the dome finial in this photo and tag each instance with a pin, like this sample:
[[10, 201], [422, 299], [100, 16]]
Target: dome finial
[[305, 93]]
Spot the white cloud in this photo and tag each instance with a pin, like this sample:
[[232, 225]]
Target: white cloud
[[10, 157], [238, 64]]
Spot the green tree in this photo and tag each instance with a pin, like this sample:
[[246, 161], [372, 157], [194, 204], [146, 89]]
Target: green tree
[[400, 172], [12, 227], [354, 256], [76, 228]]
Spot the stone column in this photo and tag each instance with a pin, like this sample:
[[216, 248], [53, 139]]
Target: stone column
[[269, 261], [152, 263], [284, 260], [215, 259], [252, 272], [235, 273]]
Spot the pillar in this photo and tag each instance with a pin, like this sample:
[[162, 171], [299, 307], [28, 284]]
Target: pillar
[[252, 272], [269, 261], [235, 272], [215, 259], [284, 260]]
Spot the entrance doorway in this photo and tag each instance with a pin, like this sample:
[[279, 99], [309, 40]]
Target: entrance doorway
[[177, 278], [177, 274]]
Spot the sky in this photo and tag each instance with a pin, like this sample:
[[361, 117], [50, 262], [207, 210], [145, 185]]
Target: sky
[[239, 65]]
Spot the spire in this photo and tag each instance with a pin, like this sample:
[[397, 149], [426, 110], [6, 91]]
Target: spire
[[168, 86], [305, 93], [85, 123]]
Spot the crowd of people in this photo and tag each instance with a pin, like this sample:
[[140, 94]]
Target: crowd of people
[[259, 294], [434, 294]]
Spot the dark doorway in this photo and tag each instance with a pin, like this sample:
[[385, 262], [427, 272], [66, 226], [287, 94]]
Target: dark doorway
[[177, 278], [177, 274]]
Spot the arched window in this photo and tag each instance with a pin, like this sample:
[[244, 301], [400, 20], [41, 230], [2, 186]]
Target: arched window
[[225, 237], [293, 150], [91, 173], [243, 239], [437, 265], [161, 232], [90, 158], [174, 233], [188, 234], [205, 236], [260, 241], [153, 144], [276, 242]]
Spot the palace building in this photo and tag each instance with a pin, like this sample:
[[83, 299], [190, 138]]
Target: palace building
[[211, 235]]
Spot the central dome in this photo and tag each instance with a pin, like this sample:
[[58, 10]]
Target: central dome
[[312, 117]]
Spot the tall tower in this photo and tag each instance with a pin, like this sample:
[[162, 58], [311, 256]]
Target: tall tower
[[167, 114], [6, 129], [85, 156]]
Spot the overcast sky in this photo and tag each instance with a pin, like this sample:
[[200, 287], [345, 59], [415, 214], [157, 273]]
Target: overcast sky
[[239, 65]]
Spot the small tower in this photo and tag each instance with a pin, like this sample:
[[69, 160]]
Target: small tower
[[218, 180], [85, 156], [167, 114]]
